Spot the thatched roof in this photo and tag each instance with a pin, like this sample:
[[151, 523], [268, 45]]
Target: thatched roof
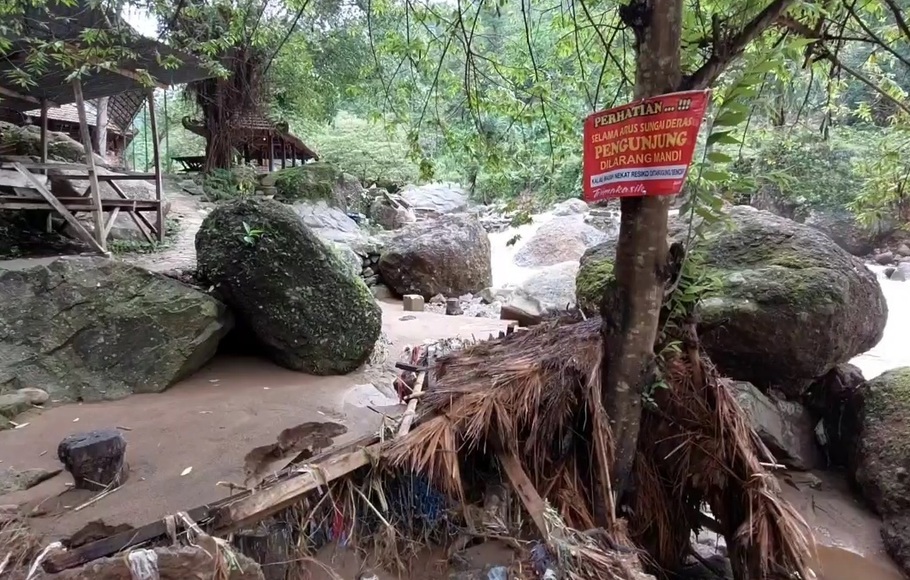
[[68, 114], [537, 396], [251, 126], [61, 22]]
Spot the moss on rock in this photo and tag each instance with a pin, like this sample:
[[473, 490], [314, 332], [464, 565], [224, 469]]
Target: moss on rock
[[792, 304], [594, 274], [89, 328], [880, 461], [315, 182], [296, 295]]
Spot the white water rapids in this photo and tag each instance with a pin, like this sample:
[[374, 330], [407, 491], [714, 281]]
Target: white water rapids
[[891, 352]]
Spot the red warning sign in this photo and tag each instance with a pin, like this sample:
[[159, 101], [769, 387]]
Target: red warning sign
[[643, 148]]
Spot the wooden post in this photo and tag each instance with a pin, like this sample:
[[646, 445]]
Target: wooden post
[[50, 215], [271, 142], [97, 213], [153, 127], [284, 153], [43, 132]]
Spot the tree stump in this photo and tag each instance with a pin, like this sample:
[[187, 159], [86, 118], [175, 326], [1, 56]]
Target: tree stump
[[95, 459], [269, 545], [453, 307]]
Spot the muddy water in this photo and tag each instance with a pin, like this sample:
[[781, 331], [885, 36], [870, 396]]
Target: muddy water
[[841, 564]]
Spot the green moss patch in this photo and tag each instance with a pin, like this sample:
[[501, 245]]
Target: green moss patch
[[310, 182]]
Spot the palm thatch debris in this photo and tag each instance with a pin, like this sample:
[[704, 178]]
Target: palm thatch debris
[[527, 407], [536, 394]]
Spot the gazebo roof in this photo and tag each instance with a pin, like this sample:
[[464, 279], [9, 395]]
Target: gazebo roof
[[254, 125], [68, 114], [60, 22]]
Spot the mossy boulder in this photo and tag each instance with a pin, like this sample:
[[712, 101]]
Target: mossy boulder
[[27, 141], [791, 304], [448, 256], [298, 298], [314, 182], [879, 460], [90, 328]]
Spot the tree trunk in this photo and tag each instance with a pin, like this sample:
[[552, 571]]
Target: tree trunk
[[218, 150], [631, 307], [100, 137]]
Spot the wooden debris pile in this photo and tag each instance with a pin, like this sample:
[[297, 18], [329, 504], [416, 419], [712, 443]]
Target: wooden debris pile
[[520, 418]]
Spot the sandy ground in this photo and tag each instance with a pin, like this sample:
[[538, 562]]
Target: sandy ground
[[208, 422], [189, 211]]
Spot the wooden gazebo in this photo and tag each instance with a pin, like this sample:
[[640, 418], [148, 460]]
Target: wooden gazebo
[[65, 119], [64, 24], [258, 138]]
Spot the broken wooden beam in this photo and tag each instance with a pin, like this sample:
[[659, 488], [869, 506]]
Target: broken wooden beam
[[410, 413], [526, 491], [275, 498]]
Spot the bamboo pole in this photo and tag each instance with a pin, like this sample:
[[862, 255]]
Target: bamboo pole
[[97, 212], [153, 127]]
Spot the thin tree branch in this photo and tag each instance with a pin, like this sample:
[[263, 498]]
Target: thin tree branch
[[723, 55], [899, 17], [863, 79]]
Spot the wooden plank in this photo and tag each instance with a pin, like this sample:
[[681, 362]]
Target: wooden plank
[[407, 419], [126, 177], [26, 98], [153, 126], [136, 216], [65, 213], [60, 561], [36, 165], [84, 203], [111, 218], [97, 217], [523, 486], [272, 500]]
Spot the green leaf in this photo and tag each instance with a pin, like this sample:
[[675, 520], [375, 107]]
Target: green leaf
[[718, 157], [722, 137], [731, 118], [717, 176]]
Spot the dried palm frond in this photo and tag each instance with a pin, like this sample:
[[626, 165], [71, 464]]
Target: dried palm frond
[[18, 543], [538, 392]]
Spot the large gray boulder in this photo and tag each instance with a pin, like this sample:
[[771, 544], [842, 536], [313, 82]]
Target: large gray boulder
[[560, 239], [328, 222], [440, 198], [314, 182], [553, 286], [845, 230], [90, 328], [878, 422], [784, 426], [790, 305], [877, 426], [296, 295], [27, 141], [448, 256]]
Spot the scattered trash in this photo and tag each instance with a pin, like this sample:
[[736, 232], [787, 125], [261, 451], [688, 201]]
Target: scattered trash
[[186, 471]]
